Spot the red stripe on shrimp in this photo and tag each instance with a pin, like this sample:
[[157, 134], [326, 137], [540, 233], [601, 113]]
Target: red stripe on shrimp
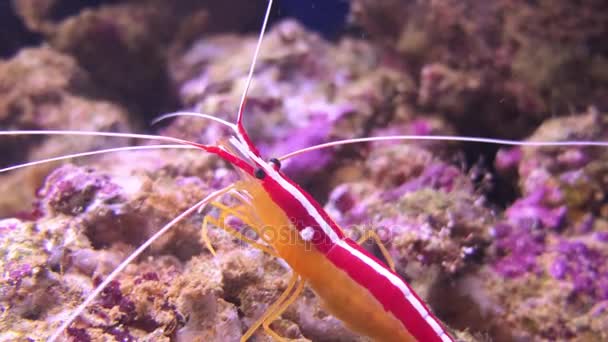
[[302, 212], [388, 288]]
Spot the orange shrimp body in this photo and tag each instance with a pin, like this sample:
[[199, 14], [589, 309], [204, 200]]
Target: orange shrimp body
[[343, 297]]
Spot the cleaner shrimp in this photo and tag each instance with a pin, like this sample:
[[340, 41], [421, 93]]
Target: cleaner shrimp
[[367, 294]]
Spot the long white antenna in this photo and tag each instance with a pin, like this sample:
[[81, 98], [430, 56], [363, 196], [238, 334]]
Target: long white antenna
[[448, 138], [198, 115], [239, 118], [99, 134], [92, 153]]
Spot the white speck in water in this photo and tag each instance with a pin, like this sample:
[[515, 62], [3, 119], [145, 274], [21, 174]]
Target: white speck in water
[[468, 250]]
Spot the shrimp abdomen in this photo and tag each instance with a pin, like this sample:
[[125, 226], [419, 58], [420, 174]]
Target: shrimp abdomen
[[343, 296]]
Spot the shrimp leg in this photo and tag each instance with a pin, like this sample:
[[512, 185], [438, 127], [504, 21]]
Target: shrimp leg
[[273, 316], [276, 306], [370, 234], [219, 222]]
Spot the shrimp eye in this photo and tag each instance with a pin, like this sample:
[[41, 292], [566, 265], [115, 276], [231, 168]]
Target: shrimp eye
[[259, 173], [276, 163]]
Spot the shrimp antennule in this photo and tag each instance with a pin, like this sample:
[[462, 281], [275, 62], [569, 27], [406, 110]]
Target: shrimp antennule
[[195, 114]]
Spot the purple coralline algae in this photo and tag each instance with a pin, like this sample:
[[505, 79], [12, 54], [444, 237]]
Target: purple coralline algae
[[70, 190], [583, 266], [518, 249]]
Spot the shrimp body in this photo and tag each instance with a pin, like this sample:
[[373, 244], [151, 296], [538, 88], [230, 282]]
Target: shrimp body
[[354, 285]]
